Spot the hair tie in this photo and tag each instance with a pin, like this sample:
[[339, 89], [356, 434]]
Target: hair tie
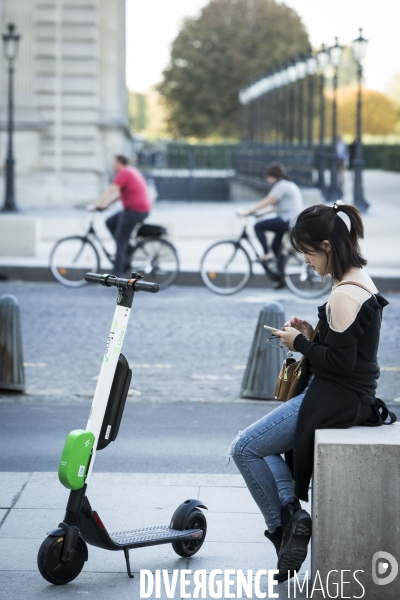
[[337, 204]]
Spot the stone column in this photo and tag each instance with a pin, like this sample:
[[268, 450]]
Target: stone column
[[113, 92]]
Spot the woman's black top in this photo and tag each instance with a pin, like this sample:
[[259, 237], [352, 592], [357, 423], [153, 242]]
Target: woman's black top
[[342, 391]]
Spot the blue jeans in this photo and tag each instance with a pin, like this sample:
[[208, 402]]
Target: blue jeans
[[278, 225], [121, 226], [257, 453]]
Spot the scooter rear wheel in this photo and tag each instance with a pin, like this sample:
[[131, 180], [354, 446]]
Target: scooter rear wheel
[[195, 520], [50, 565]]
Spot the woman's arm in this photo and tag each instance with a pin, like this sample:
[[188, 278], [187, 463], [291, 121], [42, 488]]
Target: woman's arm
[[267, 201], [339, 360]]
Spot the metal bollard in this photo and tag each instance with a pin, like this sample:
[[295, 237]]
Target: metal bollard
[[265, 361], [12, 376]]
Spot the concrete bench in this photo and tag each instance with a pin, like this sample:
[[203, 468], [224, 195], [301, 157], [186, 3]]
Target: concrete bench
[[19, 235], [356, 511]]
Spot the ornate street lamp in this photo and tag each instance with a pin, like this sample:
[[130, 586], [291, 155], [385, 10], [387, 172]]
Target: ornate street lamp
[[301, 71], [359, 51], [284, 105], [10, 41], [311, 62], [292, 76], [323, 61], [334, 192], [277, 84]]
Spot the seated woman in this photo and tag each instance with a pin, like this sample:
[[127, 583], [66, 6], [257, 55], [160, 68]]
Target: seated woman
[[285, 197], [336, 388]]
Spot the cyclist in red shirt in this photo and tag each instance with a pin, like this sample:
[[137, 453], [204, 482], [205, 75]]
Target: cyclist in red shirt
[[130, 186]]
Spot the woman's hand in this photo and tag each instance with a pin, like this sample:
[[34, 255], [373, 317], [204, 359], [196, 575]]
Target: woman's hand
[[303, 326], [286, 335]]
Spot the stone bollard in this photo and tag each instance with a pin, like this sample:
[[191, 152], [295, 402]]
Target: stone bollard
[[265, 361], [12, 375]]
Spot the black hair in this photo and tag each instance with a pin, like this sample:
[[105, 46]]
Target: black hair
[[318, 223], [122, 159], [277, 170]]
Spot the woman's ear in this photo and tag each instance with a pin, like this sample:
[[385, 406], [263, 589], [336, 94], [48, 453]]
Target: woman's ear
[[326, 245]]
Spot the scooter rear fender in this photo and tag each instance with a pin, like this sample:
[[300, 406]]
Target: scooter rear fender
[[182, 512]]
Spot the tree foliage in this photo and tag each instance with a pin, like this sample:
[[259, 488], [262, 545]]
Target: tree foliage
[[378, 113], [218, 53]]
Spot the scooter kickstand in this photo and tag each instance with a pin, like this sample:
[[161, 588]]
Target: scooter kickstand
[[128, 564]]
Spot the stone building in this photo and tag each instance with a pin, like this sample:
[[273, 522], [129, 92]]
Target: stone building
[[71, 110]]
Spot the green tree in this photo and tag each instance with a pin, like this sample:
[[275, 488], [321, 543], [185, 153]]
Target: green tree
[[378, 112], [218, 53]]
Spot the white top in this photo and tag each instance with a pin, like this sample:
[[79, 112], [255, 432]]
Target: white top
[[345, 301], [290, 200]]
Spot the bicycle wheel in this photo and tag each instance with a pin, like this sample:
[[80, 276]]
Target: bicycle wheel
[[225, 267], [302, 280], [157, 260], [73, 257]]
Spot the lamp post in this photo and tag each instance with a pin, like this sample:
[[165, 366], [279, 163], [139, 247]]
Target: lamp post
[[10, 42], [311, 62], [277, 84], [284, 105], [334, 192], [359, 50], [292, 76], [323, 60], [301, 70]]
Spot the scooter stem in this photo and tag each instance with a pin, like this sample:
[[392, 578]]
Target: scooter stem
[[108, 367]]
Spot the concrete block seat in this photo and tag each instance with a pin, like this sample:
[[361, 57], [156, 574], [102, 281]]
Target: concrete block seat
[[19, 235], [356, 511]]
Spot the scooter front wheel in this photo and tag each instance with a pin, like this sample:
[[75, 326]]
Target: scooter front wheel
[[195, 520], [50, 565]]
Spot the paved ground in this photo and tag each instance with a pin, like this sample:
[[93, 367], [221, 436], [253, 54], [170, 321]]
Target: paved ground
[[182, 343], [37, 501]]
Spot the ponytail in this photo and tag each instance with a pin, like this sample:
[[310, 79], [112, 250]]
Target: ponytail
[[318, 223], [354, 216]]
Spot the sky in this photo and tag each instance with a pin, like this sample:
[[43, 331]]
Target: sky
[[152, 25]]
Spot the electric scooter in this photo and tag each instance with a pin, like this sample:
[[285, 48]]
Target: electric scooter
[[64, 552]]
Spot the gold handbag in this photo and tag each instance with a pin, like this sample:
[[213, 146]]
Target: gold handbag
[[290, 374]]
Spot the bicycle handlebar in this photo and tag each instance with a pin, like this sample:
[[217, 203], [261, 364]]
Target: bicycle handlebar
[[134, 284]]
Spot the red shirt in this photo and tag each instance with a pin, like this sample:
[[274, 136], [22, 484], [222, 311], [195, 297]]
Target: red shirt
[[134, 192]]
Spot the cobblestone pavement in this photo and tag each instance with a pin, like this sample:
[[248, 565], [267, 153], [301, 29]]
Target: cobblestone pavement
[[182, 343]]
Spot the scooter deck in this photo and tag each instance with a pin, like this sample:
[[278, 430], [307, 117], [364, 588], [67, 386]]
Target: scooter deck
[[95, 533], [148, 536]]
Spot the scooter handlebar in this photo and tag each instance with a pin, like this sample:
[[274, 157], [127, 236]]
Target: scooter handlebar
[[145, 286], [93, 278], [132, 284]]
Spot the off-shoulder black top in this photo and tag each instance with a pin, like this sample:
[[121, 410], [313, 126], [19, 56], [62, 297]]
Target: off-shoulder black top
[[342, 391]]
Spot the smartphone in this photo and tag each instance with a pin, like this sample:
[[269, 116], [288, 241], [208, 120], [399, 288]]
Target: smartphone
[[270, 328]]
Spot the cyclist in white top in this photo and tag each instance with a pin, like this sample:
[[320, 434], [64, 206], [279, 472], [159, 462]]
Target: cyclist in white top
[[286, 198]]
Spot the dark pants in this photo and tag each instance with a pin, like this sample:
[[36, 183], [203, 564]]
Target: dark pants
[[121, 226], [278, 225]]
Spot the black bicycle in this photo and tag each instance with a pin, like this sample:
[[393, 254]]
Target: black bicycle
[[149, 254], [226, 267]]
